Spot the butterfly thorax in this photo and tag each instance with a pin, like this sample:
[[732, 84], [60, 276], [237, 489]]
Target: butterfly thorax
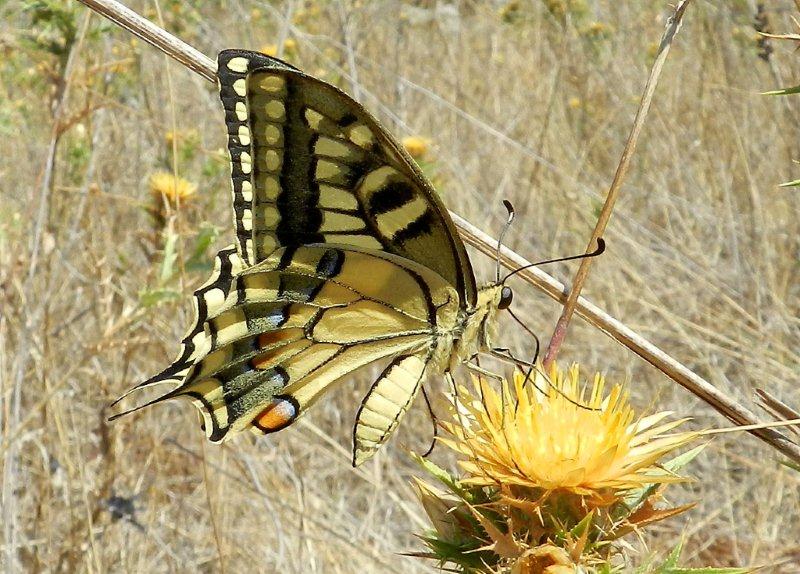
[[475, 329]]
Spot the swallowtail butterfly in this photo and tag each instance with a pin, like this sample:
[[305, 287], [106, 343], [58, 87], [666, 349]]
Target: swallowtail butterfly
[[344, 255]]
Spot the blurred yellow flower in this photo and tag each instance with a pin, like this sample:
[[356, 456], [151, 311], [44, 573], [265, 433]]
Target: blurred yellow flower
[[549, 436], [289, 47], [416, 146], [174, 188], [574, 102], [180, 136], [598, 28], [269, 49]]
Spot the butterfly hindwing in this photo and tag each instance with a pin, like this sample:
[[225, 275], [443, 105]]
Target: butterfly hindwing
[[300, 320], [311, 165], [208, 299]]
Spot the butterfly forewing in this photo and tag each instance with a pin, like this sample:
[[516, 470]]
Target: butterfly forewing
[[310, 165]]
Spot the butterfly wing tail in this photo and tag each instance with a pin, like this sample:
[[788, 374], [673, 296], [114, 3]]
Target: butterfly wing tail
[[386, 404], [209, 299]]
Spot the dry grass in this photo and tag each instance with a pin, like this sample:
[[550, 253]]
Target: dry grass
[[702, 259]]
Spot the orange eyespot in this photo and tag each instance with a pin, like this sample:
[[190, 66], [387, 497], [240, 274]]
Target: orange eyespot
[[280, 413]]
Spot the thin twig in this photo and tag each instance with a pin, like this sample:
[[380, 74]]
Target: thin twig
[[472, 235], [158, 37], [560, 331], [778, 409]]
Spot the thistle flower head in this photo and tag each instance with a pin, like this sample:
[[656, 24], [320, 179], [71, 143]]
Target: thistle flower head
[[552, 434], [555, 473]]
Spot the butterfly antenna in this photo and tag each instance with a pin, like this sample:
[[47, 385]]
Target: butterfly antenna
[[601, 247], [434, 421], [511, 212]]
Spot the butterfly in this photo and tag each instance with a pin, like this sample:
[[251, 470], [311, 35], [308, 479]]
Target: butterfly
[[344, 255]]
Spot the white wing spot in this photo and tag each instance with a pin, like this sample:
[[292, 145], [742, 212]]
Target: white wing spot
[[247, 220], [244, 135], [214, 299], [247, 162], [238, 65], [241, 111]]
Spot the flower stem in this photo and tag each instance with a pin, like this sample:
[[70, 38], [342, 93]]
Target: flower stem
[[560, 331]]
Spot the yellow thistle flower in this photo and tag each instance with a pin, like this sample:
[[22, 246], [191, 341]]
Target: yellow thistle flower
[[548, 436], [174, 188], [416, 146]]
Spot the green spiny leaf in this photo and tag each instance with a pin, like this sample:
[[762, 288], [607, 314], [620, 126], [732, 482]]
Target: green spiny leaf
[[635, 498], [205, 238], [444, 477]]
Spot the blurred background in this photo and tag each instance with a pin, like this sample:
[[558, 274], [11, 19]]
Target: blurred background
[[101, 248]]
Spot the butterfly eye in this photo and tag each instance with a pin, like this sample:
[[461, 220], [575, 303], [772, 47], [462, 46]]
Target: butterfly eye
[[506, 296]]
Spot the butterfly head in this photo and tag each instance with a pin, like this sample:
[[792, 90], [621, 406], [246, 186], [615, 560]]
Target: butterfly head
[[506, 297], [481, 323]]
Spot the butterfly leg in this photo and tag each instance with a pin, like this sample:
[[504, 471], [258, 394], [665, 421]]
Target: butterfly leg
[[481, 371], [506, 356], [434, 421]]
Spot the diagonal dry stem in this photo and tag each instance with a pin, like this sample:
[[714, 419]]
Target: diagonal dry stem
[[560, 331], [679, 373]]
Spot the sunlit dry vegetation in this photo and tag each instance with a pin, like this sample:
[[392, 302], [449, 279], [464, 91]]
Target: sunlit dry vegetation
[[101, 247]]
